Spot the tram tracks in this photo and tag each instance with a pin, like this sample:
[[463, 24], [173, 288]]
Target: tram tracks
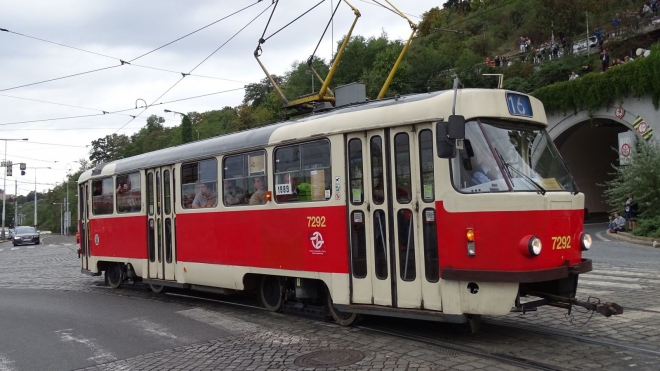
[[485, 345], [443, 346]]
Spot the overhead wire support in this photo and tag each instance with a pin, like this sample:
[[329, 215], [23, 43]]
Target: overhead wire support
[[199, 64], [413, 26], [305, 101]]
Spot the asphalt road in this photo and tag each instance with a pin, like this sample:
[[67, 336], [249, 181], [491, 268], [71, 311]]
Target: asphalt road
[[618, 253], [50, 329]]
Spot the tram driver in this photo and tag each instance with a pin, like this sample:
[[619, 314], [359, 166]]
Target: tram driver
[[207, 196]]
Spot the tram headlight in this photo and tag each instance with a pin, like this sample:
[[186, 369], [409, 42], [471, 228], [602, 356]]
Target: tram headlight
[[534, 246], [585, 241]]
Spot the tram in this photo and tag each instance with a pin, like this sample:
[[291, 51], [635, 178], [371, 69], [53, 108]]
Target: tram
[[443, 206]]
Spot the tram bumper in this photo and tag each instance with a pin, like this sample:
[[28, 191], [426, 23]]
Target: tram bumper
[[542, 275]]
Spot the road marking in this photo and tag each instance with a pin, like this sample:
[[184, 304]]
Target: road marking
[[99, 355], [31, 247], [5, 364], [219, 320], [610, 284], [608, 278], [2, 249], [14, 248], [153, 328], [650, 274], [599, 235], [67, 244]]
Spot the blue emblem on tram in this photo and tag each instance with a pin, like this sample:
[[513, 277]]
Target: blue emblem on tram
[[519, 105]]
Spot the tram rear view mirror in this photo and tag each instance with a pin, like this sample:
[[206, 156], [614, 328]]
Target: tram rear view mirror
[[446, 147], [456, 127]]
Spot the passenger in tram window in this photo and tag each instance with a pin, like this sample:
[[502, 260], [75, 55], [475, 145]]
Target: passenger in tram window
[[259, 195], [484, 168], [233, 195], [207, 196], [97, 189]]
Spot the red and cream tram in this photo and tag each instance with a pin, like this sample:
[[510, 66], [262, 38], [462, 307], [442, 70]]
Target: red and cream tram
[[395, 207]]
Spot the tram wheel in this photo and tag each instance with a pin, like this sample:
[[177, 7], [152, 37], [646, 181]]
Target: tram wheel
[[342, 318], [158, 289], [270, 293], [113, 275]]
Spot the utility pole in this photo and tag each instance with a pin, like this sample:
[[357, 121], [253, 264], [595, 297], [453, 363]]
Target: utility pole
[[15, 203]]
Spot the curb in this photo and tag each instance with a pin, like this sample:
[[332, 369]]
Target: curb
[[627, 237]]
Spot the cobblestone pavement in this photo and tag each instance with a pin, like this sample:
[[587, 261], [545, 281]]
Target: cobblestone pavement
[[268, 341]]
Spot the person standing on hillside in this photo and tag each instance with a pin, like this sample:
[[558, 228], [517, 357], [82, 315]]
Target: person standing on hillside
[[605, 60], [521, 41], [631, 209]]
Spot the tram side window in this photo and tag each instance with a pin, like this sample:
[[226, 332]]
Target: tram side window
[[199, 184], [129, 194], [426, 165], [244, 179], [303, 172], [355, 171], [102, 200]]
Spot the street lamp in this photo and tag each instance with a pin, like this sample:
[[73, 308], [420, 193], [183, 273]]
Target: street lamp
[[35, 192], [4, 188]]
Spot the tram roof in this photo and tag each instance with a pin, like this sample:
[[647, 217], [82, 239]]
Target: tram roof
[[357, 116]]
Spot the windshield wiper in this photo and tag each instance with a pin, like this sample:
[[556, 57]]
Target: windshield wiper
[[509, 167]]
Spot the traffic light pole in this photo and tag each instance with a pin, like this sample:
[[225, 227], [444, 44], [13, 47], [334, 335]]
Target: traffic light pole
[[4, 196]]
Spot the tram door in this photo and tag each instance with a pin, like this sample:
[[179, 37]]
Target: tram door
[[160, 223], [84, 225], [384, 212]]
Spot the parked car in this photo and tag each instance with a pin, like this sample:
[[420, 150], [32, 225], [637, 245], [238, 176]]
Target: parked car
[[24, 235]]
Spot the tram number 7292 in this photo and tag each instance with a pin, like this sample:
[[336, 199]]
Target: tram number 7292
[[316, 221], [561, 242]]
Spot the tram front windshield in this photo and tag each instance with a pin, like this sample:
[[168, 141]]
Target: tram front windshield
[[497, 153]]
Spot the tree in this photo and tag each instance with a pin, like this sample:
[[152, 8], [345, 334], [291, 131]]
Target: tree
[[186, 130], [108, 148], [641, 177]]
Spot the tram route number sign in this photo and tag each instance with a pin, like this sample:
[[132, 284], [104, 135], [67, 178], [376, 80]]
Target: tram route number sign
[[519, 105]]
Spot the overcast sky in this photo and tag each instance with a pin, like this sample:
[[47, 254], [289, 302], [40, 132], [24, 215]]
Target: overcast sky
[[123, 29]]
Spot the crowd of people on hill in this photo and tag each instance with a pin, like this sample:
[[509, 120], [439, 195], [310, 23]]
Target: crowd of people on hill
[[562, 45]]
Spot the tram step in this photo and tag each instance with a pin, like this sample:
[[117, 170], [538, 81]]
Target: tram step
[[304, 310], [156, 282]]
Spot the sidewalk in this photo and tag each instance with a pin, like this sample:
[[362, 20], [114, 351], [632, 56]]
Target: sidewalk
[[627, 237]]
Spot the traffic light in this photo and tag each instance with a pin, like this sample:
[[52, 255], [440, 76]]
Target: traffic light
[[23, 166], [8, 170], [22, 172]]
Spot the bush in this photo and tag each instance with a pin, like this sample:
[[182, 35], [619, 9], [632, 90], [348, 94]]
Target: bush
[[648, 227]]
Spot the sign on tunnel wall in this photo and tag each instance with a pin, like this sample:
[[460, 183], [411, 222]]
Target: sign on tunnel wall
[[626, 146], [643, 128]]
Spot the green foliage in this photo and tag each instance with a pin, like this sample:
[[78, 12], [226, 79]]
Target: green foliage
[[648, 227], [186, 130], [593, 91], [641, 178]]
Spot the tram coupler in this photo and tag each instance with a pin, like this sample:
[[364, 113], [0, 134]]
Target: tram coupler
[[605, 309]]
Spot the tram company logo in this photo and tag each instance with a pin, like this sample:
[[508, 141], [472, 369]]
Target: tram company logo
[[317, 243]]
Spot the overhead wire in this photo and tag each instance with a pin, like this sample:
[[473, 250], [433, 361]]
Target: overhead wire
[[370, 3], [122, 62], [199, 64], [332, 17], [29, 158], [197, 30], [52, 144], [289, 24]]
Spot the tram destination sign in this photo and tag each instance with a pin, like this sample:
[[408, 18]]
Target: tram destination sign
[[519, 105]]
